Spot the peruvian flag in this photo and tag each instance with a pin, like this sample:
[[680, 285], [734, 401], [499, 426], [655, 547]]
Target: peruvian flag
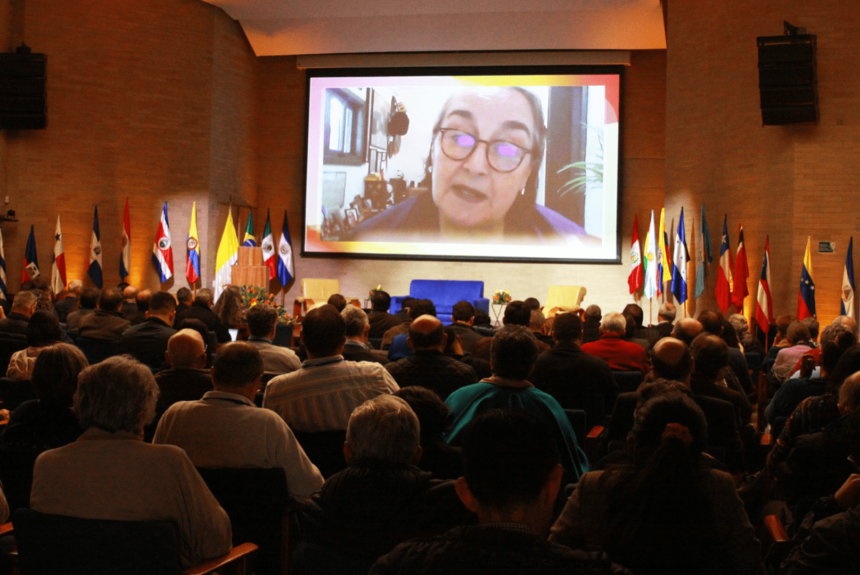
[[58, 265], [269, 253], [742, 272], [724, 276], [162, 250], [634, 280], [764, 309]]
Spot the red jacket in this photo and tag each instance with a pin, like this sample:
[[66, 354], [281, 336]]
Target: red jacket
[[619, 354]]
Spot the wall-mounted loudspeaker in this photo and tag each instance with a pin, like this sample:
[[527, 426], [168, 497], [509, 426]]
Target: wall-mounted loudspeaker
[[787, 79], [23, 98]]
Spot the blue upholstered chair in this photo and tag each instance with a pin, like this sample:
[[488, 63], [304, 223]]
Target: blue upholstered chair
[[445, 294]]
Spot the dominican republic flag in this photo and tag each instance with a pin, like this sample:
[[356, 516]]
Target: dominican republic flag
[[94, 270], [227, 256], [764, 309], [634, 279], [703, 247], [269, 258], [125, 254], [192, 244], [847, 307], [650, 262], [58, 263], [741, 273], [806, 296], [285, 255], [250, 240], [2, 268], [682, 256], [724, 276], [162, 250]]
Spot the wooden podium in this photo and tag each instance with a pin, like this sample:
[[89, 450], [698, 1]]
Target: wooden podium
[[250, 270]]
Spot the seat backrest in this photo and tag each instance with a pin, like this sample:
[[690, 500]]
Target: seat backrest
[[9, 344], [50, 544], [319, 289], [568, 298], [14, 392], [325, 449], [98, 350], [446, 292]]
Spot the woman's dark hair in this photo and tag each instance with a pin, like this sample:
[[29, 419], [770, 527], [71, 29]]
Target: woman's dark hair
[[43, 329], [228, 308], [839, 340], [434, 416], [55, 374], [847, 365], [729, 335]]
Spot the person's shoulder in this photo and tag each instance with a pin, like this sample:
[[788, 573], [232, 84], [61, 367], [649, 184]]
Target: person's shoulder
[[560, 223], [396, 217]]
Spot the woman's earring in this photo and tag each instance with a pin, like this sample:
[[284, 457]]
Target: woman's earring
[[523, 192]]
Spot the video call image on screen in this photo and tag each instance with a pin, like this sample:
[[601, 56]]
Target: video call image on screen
[[458, 167]]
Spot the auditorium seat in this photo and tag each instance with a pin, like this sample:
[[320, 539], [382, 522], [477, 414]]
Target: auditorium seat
[[324, 449], [98, 350], [14, 392]]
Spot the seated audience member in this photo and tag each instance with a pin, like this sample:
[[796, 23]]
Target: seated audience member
[[631, 332], [228, 308], [483, 324], [323, 393], [379, 319], [510, 481], [202, 309], [799, 342], [209, 339], [780, 341], [338, 301], [462, 318], [405, 304], [665, 513], [711, 360], [434, 416], [88, 302], [513, 354], [815, 352], [428, 367], [569, 374], [516, 313], [129, 302], [619, 354], [454, 349], [226, 429], [398, 347], [715, 324], [64, 305], [532, 303], [591, 324], [381, 498], [749, 344], [636, 316], [687, 329], [186, 378], [538, 325], [356, 348], [405, 316], [262, 324], [184, 299], [23, 306], [110, 473], [147, 341], [665, 322], [812, 324], [43, 331], [106, 323], [141, 300]]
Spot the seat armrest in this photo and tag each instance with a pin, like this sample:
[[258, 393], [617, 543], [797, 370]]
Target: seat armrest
[[238, 553]]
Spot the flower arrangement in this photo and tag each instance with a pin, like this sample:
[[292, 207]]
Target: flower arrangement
[[374, 290], [253, 295], [501, 297]]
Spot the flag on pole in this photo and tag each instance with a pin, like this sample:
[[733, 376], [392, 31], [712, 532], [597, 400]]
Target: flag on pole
[[285, 255], [739, 278], [58, 262], [724, 276], [847, 307], [162, 250], [682, 256], [125, 254], [31, 261], [3, 293], [95, 268], [764, 309], [701, 270], [634, 279], [192, 245], [706, 237], [269, 258], [650, 262], [250, 240], [663, 273], [806, 296], [228, 256]]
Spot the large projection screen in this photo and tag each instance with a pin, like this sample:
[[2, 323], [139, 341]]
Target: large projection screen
[[464, 164]]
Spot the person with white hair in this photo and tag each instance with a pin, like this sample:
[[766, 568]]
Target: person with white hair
[[621, 355]]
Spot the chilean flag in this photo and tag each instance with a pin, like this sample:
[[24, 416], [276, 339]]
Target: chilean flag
[[742, 272], [764, 310], [634, 280], [162, 251], [269, 254], [724, 276], [58, 264], [806, 296]]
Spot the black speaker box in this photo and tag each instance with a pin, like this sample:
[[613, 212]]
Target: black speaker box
[[787, 79], [23, 97]]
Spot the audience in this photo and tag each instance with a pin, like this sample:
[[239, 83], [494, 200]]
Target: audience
[[201, 309], [147, 341], [228, 308], [462, 318], [129, 302], [799, 342], [358, 328], [591, 324], [43, 330], [106, 323], [184, 299], [23, 306], [398, 346], [262, 325], [379, 319], [687, 329], [715, 324], [712, 378], [338, 301], [434, 416], [516, 313], [619, 354], [65, 304], [88, 302]]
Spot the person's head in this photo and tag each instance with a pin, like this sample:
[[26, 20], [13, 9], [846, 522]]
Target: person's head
[[237, 366], [593, 312], [687, 329], [407, 303], [672, 417], [421, 307], [90, 297], [75, 287], [162, 305], [671, 359], [782, 323], [427, 333], [474, 185], [463, 311], [613, 322], [337, 300], [433, 414], [142, 299], [532, 303], [262, 319], [118, 394], [537, 320], [798, 332], [482, 318], [380, 301], [836, 339], [667, 312], [517, 313], [183, 296], [712, 322], [739, 323], [849, 396], [513, 352], [846, 320], [383, 429], [711, 355], [632, 310], [110, 300], [323, 332], [228, 308], [186, 348], [55, 373], [43, 329], [812, 324], [567, 328], [24, 303], [129, 293], [205, 297], [357, 324], [453, 345], [848, 365]]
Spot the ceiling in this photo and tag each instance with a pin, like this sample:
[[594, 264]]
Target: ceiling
[[290, 27]]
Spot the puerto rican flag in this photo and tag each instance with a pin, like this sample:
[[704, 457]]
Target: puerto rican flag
[[764, 309], [162, 250]]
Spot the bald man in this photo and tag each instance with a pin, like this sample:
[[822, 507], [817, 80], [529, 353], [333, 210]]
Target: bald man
[[687, 329], [428, 367]]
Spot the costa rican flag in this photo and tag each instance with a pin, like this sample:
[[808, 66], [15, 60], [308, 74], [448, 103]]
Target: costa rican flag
[[162, 251]]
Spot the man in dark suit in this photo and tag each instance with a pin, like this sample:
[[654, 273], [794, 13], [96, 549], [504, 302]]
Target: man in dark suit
[[147, 341], [23, 307], [107, 322], [183, 300], [379, 319], [355, 348], [89, 301], [462, 318], [202, 309]]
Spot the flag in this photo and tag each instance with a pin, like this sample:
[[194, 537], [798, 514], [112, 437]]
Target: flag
[[31, 261], [682, 256], [125, 254], [250, 240], [58, 262], [847, 307], [228, 255], [706, 237], [701, 270], [269, 258], [95, 268], [724, 276], [285, 255], [3, 293], [650, 262], [741, 273], [663, 273], [192, 244], [634, 279], [764, 309], [162, 251], [806, 296]]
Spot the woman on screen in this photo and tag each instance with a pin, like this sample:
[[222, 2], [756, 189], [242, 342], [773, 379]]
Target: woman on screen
[[485, 154]]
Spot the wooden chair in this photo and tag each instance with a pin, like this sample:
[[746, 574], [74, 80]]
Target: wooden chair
[[51, 544], [316, 292]]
